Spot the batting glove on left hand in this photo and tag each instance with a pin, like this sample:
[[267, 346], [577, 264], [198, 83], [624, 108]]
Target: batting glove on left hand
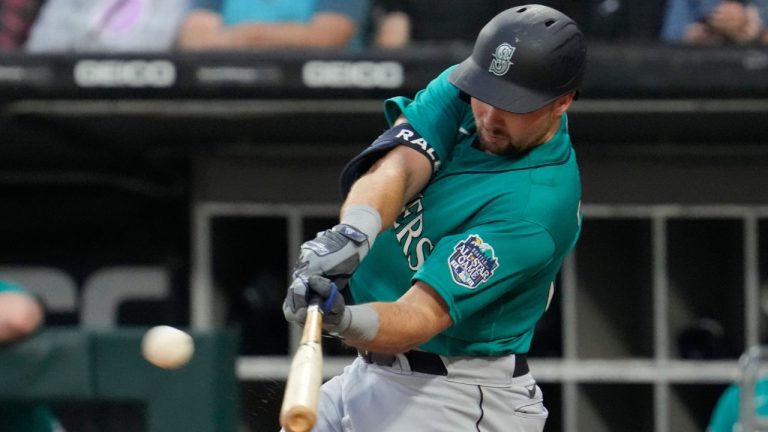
[[334, 254]]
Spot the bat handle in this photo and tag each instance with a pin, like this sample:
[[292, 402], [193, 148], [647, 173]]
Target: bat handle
[[313, 325], [315, 300]]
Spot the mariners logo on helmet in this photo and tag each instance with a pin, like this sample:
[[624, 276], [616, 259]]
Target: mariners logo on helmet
[[501, 59]]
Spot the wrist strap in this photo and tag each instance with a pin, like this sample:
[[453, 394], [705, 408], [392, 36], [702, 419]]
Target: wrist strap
[[359, 323], [365, 218]]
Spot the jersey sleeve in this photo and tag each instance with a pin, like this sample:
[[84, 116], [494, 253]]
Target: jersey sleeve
[[437, 113], [476, 268]]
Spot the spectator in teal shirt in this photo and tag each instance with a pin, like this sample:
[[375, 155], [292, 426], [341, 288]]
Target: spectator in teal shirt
[[233, 24], [715, 22]]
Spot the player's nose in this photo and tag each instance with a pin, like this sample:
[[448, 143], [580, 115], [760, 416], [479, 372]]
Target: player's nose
[[493, 118]]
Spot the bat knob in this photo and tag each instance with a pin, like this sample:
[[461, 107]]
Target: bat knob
[[298, 419]]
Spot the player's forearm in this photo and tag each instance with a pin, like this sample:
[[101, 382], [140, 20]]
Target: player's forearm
[[412, 320], [400, 330], [383, 190]]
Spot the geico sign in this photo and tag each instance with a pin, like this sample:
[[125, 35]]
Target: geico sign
[[125, 73], [352, 74]]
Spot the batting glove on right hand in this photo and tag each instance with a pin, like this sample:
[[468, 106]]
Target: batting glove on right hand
[[331, 302], [334, 254]]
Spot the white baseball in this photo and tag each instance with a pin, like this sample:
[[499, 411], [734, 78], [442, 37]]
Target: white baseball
[[167, 347]]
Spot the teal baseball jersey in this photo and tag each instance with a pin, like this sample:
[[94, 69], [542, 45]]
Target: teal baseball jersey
[[725, 416], [489, 233]]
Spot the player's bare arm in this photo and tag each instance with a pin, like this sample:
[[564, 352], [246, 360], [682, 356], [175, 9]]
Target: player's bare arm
[[391, 182], [415, 318], [374, 201]]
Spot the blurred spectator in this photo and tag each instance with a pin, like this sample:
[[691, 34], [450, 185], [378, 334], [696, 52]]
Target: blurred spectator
[[20, 316], [230, 24], [715, 22], [16, 18], [619, 20], [106, 25], [703, 339], [400, 23]]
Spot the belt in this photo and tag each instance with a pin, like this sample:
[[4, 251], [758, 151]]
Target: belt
[[429, 363]]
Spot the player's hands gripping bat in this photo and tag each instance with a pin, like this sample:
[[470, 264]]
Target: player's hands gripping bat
[[331, 257], [299, 410]]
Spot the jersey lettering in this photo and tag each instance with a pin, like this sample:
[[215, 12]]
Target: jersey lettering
[[409, 227], [413, 230], [422, 250], [578, 214]]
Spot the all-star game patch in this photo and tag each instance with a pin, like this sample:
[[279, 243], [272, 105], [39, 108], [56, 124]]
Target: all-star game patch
[[473, 262]]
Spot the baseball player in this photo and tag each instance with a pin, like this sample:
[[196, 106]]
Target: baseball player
[[455, 223]]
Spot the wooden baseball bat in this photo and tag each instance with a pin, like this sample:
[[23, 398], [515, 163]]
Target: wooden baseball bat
[[302, 391]]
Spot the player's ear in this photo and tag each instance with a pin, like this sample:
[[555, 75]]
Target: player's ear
[[564, 102]]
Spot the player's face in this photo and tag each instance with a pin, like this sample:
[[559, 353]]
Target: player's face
[[502, 132]]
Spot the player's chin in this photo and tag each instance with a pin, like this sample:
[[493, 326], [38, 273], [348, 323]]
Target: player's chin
[[497, 145], [492, 143]]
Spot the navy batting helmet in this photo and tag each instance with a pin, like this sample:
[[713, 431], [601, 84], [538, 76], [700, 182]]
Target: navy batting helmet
[[524, 58]]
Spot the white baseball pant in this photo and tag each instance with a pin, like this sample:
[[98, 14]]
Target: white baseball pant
[[477, 394]]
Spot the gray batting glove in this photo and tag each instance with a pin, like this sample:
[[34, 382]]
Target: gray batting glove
[[334, 254], [296, 302], [331, 302]]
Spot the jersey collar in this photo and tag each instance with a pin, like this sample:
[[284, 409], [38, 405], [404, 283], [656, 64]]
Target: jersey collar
[[553, 152]]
